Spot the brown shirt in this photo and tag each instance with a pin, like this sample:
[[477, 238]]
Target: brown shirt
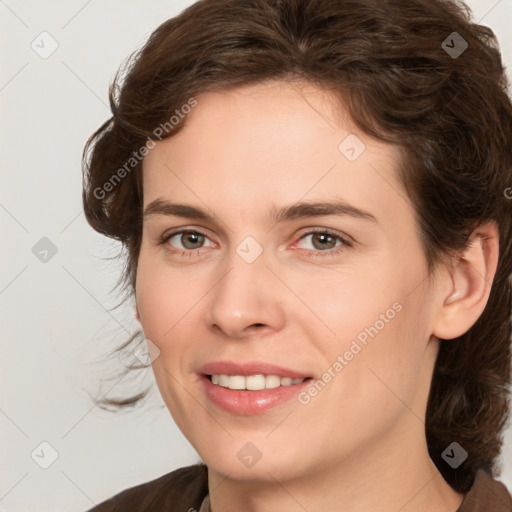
[[185, 490]]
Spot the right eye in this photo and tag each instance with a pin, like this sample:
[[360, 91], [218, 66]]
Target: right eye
[[190, 240]]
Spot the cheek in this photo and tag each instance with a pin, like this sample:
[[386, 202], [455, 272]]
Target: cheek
[[390, 366], [166, 306], [343, 302], [377, 318], [165, 299]]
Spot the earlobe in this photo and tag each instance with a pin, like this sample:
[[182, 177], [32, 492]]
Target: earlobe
[[469, 283]]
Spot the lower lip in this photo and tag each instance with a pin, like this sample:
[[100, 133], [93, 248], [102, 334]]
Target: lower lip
[[248, 403]]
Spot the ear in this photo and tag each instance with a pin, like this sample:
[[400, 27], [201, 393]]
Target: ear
[[465, 287]]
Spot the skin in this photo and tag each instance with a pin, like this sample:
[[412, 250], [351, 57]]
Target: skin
[[359, 444]]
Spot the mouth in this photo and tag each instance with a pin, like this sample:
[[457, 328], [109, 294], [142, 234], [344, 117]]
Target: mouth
[[253, 393], [252, 387], [257, 382]]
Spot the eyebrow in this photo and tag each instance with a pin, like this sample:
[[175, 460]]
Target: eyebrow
[[295, 211]]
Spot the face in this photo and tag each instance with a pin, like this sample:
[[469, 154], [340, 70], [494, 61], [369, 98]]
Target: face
[[239, 277]]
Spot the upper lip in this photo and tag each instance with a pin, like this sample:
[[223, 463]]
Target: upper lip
[[250, 368]]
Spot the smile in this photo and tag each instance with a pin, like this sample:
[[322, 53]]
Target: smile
[[252, 382]]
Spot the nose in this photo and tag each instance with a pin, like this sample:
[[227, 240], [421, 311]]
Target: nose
[[246, 301]]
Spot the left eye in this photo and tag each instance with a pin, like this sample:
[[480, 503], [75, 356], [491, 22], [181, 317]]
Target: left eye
[[323, 240]]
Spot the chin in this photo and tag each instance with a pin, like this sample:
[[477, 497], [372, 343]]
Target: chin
[[240, 460]]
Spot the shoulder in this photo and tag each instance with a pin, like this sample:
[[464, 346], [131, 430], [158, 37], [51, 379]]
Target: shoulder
[[181, 490], [486, 494]]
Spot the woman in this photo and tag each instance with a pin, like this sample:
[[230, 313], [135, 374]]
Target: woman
[[315, 200]]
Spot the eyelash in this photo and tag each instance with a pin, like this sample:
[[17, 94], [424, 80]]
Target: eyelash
[[312, 253]]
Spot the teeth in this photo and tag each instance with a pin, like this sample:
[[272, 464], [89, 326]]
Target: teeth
[[223, 381], [236, 382], [253, 382]]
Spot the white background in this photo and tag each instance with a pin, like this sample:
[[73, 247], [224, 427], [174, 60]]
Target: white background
[[56, 317]]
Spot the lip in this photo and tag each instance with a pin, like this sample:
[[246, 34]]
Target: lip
[[249, 403], [245, 402], [249, 368]]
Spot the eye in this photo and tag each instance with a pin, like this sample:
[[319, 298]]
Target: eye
[[189, 239], [325, 242]]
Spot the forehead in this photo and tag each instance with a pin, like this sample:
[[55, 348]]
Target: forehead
[[271, 143]]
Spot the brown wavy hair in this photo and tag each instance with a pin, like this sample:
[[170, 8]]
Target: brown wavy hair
[[387, 62]]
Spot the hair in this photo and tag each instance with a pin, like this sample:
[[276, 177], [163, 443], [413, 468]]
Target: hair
[[385, 61]]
